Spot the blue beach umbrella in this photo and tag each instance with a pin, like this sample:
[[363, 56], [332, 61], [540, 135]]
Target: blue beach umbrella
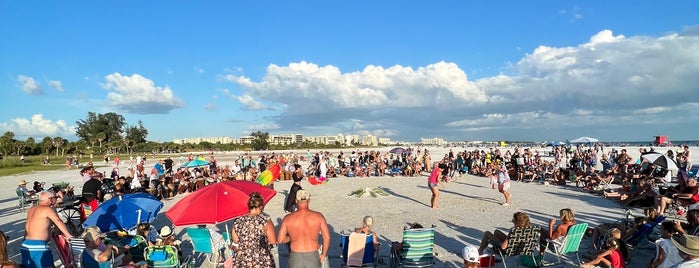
[[124, 212], [197, 162]]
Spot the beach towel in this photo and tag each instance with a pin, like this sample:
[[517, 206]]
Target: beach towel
[[355, 249]]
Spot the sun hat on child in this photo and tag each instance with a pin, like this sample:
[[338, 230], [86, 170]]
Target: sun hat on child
[[470, 254]]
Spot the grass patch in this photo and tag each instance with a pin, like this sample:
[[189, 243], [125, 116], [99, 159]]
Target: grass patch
[[12, 165]]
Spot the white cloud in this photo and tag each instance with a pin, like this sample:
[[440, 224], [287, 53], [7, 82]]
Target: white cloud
[[250, 103], [38, 127], [30, 86], [604, 85], [139, 95], [57, 85]]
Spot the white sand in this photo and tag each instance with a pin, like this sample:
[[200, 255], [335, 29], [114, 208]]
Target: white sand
[[468, 207]]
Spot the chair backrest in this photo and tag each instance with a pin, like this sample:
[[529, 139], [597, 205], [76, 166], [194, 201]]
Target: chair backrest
[[369, 249], [523, 240], [77, 246], [418, 245], [573, 238], [63, 250], [161, 256], [201, 240]]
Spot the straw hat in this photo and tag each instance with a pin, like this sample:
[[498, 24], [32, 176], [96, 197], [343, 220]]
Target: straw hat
[[689, 244], [166, 232], [22, 182]]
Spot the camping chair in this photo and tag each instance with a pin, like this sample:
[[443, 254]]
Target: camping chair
[[640, 239], [417, 249], [357, 250], [76, 245], [522, 242], [64, 251], [23, 200], [161, 256], [202, 243], [137, 245], [570, 244]]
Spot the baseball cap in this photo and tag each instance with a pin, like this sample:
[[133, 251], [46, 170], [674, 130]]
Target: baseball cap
[[91, 234], [303, 195], [470, 254]]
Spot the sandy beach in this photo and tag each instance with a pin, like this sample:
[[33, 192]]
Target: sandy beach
[[468, 207]]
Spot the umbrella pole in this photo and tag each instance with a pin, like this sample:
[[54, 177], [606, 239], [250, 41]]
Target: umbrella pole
[[138, 221]]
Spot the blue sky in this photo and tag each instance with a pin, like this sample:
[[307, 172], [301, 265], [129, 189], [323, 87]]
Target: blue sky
[[461, 70]]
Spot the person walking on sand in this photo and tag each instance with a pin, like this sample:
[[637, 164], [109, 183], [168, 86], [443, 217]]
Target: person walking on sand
[[300, 228], [433, 184], [34, 250], [503, 181]]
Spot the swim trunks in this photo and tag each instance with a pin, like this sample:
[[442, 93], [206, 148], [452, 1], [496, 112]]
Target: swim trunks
[[36, 253], [304, 260]]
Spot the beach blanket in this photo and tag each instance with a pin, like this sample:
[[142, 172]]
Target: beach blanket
[[355, 249]]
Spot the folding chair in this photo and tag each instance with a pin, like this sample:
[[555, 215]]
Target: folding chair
[[202, 243], [358, 250], [23, 200], [76, 245], [417, 249], [161, 257], [570, 244], [522, 242], [64, 251]]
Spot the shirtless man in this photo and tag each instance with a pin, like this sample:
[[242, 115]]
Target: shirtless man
[[301, 228], [35, 252]]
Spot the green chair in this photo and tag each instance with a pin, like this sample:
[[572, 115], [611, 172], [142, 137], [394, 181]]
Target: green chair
[[23, 200], [161, 257], [522, 242], [417, 249], [570, 244], [202, 243]]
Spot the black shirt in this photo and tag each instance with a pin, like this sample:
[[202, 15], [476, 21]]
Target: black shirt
[[92, 188]]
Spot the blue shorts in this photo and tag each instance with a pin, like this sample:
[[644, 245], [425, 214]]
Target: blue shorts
[[36, 253]]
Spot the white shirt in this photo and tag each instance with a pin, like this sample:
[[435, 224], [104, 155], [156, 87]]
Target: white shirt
[[672, 256]]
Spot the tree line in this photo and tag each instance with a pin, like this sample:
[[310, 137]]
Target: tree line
[[101, 134]]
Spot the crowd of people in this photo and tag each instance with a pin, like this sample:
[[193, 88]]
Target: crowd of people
[[253, 245]]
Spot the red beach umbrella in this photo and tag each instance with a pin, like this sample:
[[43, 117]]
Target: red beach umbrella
[[216, 203]]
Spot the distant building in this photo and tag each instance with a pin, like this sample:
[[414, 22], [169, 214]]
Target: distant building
[[433, 141], [222, 140]]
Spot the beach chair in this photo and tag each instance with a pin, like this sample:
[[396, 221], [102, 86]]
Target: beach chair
[[521, 242], [640, 239], [570, 244], [161, 257], [24, 202], [358, 250], [417, 249], [76, 245], [64, 251], [202, 243]]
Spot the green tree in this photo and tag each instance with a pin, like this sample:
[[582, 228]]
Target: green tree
[[260, 141], [30, 146], [7, 141], [46, 144], [101, 128], [59, 143]]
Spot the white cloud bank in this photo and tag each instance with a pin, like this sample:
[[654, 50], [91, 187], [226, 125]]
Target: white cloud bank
[[139, 95], [38, 127], [611, 86]]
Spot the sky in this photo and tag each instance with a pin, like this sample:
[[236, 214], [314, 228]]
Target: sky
[[405, 70]]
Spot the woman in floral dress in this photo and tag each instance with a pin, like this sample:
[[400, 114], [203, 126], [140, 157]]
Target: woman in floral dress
[[254, 235]]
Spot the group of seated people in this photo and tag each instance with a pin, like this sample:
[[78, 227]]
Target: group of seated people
[[121, 248], [612, 241]]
